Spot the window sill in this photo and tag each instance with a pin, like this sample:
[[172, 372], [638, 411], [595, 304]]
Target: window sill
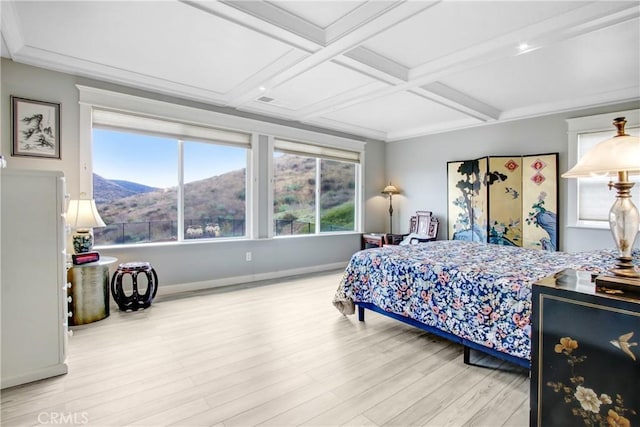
[[219, 240], [173, 243], [328, 234], [590, 226]]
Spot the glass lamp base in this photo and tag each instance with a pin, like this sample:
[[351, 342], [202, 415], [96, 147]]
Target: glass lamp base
[[624, 220], [82, 242]]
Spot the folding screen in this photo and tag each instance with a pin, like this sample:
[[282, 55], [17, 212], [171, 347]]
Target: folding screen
[[505, 191], [540, 201], [467, 200], [506, 200]]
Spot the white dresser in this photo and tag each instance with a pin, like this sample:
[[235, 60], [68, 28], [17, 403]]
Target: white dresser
[[33, 276]]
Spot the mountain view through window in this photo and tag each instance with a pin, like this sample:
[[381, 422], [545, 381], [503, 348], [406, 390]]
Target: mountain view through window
[[136, 187], [136, 182]]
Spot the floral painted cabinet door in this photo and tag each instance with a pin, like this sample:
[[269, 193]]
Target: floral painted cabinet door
[[585, 356]]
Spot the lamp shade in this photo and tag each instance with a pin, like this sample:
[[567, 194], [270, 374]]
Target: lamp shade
[[83, 214], [390, 189], [618, 154]]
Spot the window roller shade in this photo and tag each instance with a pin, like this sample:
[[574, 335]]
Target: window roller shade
[[305, 149], [185, 131]]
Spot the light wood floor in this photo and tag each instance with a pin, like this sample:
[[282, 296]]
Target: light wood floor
[[278, 354]]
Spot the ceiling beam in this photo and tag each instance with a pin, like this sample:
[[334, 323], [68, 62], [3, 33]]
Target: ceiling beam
[[268, 12], [561, 27], [400, 12], [379, 62], [348, 42], [579, 21], [338, 102], [253, 88], [225, 10], [362, 15], [449, 97]]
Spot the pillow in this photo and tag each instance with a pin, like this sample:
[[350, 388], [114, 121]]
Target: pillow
[[413, 238]]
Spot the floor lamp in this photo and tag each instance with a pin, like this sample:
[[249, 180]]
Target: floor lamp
[[390, 190], [617, 157]]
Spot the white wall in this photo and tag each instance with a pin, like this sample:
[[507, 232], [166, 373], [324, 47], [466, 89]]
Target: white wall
[[197, 264], [419, 167]]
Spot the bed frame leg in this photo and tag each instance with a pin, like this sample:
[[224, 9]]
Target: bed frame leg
[[361, 313], [466, 355]]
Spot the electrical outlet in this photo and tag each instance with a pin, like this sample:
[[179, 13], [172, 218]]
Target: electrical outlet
[[248, 256]]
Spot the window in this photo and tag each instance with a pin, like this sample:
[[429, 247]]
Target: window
[[157, 159], [594, 197], [314, 189], [161, 181], [590, 198]]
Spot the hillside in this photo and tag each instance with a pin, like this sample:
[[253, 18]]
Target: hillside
[[223, 196], [106, 190], [294, 192], [219, 196]]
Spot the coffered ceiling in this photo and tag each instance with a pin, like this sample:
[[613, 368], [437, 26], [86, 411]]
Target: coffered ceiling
[[388, 70]]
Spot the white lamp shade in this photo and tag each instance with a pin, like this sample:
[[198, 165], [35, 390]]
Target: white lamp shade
[[390, 189], [618, 154], [83, 214]]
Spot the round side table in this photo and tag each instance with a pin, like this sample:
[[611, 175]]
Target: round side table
[[88, 291]]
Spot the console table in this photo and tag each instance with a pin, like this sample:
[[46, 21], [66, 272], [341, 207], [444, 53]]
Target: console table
[[88, 291], [585, 356]]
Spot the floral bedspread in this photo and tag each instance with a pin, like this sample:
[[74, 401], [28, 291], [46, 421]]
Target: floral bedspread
[[477, 291]]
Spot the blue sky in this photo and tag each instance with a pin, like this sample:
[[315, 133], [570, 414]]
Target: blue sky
[[152, 160]]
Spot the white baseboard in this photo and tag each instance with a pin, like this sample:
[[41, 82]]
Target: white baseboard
[[10, 380], [228, 281]]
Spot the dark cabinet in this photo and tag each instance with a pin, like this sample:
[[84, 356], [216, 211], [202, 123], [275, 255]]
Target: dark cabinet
[[585, 356]]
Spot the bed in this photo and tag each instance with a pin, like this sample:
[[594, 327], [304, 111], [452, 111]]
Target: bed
[[477, 294]]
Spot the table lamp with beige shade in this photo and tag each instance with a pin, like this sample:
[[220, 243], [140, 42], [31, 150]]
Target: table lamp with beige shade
[[617, 157], [82, 216]]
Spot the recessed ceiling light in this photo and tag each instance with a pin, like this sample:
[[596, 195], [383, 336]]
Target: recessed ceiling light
[[262, 88], [523, 46]]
